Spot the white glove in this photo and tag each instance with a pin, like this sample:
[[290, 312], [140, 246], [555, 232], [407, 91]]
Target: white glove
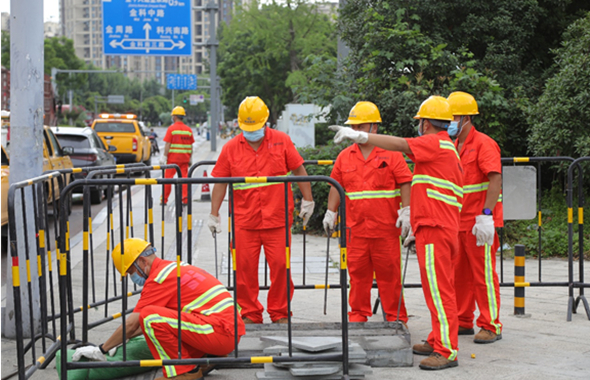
[[410, 239], [163, 160], [484, 230], [214, 224], [330, 221], [306, 210], [90, 352], [349, 133], [403, 221]]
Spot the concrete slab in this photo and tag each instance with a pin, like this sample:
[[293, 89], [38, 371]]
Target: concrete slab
[[315, 370], [308, 343]]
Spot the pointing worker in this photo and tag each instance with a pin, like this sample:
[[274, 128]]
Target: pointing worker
[[476, 279], [207, 315], [259, 214], [178, 150], [374, 179], [435, 203]]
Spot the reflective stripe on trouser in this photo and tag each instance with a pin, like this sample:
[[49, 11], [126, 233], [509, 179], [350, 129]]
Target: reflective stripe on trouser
[[160, 327], [170, 174], [476, 280], [248, 243], [381, 256], [435, 248]]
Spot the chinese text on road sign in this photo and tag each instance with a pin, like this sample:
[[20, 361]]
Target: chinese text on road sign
[[181, 82], [147, 27]]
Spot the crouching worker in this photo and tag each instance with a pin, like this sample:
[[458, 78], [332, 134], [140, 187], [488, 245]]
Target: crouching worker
[[207, 311]]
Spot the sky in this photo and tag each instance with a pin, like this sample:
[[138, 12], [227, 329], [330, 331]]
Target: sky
[[50, 9]]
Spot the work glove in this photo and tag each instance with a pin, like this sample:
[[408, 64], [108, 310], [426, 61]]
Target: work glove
[[403, 221], [306, 210], [330, 221], [411, 239], [214, 224], [89, 352], [163, 160], [484, 230], [348, 133]]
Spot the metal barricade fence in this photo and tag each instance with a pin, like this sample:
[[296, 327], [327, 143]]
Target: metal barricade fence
[[44, 190], [65, 272], [580, 284]]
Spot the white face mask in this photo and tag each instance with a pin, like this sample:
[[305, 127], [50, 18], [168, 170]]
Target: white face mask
[[254, 136]]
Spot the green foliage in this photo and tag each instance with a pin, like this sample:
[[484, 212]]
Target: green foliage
[[153, 106], [264, 47], [59, 53], [554, 229], [319, 190], [5, 42], [559, 120]]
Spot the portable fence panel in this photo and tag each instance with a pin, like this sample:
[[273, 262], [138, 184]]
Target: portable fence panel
[[178, 188]]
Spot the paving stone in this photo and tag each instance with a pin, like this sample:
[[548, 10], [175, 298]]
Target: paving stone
[[315, 370], [310, 343]]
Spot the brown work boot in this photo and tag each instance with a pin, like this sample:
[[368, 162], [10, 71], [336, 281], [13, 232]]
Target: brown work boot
[[486, 336], [282, 321], [466, 331], [206, 368], [248, 321], [423, 348], [436, 361], [197, 375]]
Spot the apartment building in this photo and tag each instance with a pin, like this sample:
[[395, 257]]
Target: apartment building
[[82, 22]]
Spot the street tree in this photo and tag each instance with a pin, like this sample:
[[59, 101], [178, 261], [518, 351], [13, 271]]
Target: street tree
[[559, 120], [265, 46]]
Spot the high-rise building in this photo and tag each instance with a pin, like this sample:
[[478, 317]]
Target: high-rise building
[[6, 21], [82, 22], [51, 29]]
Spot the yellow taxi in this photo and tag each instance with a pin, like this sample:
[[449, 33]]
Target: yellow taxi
[[124, 133], [54, 158]]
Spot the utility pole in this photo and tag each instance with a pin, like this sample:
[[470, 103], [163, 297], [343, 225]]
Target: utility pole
[[212, 44], [26, 123]]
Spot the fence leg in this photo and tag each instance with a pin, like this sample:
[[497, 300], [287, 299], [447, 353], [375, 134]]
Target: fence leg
[[519, 282]]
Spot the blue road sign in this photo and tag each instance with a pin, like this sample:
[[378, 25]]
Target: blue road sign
[[147, 27], [181, 82]]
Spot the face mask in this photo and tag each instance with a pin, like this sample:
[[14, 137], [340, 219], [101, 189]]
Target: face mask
[[254, 136], [137, 279], [420, 129], [453, 128]]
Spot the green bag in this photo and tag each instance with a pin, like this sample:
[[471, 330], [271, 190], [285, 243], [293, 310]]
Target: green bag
[[137, 349]]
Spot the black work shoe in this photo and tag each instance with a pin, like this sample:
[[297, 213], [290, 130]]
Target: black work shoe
[[465, 331], [436, 361], [485, 336]]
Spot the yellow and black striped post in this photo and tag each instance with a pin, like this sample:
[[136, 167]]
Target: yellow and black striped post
[[519, 283]]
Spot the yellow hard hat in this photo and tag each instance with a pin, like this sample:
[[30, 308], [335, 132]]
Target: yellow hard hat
[[462, 103], [252, 114], [133, 248], [435, 107], [364, 112], [178, 111]]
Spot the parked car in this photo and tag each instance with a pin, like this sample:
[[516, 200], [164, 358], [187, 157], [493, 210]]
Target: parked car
[[88, 150], [54, 158], [124, 132]]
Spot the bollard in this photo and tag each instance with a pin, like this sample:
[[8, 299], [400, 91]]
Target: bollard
[[519, 283], [205, 192]]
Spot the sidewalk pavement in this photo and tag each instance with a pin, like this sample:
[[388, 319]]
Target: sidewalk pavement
[[541, 345]]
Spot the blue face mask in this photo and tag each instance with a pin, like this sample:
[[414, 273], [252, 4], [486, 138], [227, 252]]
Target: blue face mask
[[254, 136], [420, 129], [453, 129], [137, 279]]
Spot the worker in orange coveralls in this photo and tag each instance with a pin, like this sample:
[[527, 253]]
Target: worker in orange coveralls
[[476, 279], [259, 208], [207, 312], [178, 150], [374, 180], [435, 203]]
